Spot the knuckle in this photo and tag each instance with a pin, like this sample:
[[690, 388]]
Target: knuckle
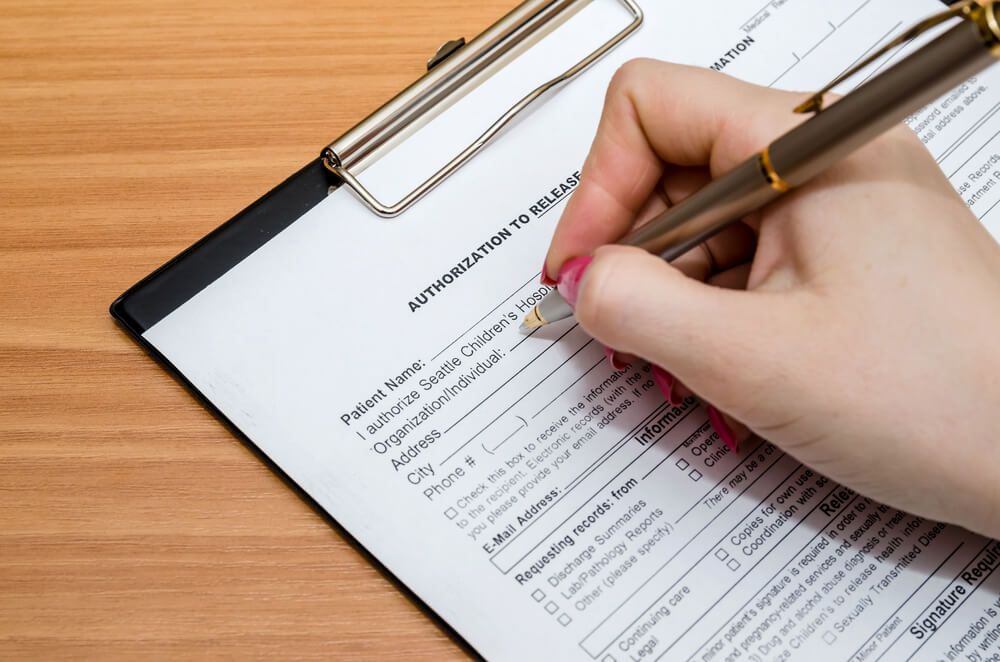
[[897, 151], [900, 140], [626, 75], [903, 142]]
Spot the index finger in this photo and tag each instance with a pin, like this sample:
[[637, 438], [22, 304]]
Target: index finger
[[657, 112]]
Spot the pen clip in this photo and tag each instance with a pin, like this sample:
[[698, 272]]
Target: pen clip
[[964, 9]]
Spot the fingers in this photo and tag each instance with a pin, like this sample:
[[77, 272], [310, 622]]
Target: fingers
[[733, 279], [724, 345], [655, 205], [731, 432], [733, 246], [680, 182], [676, 184], [654, 113]]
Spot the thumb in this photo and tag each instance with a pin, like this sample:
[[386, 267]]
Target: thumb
[[728, 346]]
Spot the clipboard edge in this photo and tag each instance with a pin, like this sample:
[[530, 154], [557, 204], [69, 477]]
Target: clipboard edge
[[323, 514], [134, 327], [296, 187]]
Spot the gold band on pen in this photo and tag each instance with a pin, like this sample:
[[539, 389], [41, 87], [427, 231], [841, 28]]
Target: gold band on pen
[[986, 18], [773, 178]]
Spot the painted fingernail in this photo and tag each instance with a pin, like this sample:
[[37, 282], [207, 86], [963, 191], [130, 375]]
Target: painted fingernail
[[665, 381], [614, 358], [719, 424], [569, 278], [545, 276]]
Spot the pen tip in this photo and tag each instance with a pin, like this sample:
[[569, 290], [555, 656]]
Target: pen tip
[[532, 321]]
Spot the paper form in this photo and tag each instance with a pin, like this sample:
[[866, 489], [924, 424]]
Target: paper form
[[544, 505]]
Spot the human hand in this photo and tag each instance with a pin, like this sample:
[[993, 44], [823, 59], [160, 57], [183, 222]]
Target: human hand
[[852, 322]]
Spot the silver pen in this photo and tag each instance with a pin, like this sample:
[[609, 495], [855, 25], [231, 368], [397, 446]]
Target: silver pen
[[830, 135]]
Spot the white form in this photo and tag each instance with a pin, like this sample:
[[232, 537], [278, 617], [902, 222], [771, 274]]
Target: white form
[[544, 505]]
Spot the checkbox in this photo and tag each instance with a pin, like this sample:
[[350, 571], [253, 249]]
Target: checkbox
[[552, 607], [564, 619], [609, 658], [829, 637], [733, 564], [695, 475], [451, 513], [683, 464], [538, 594], [721, 554]]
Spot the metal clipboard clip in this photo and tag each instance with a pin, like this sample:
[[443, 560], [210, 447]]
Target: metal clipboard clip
[[453, 70]]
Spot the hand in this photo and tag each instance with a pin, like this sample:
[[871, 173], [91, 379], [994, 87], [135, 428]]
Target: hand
[[853, 322]]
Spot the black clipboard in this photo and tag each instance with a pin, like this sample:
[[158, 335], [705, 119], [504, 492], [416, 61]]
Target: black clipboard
[[164, 290], [455, 68], [167, 288]]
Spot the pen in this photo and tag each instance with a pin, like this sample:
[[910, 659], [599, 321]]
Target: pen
[[828, 136]]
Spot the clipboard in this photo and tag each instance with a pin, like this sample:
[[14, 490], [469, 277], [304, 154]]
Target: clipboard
[[256, 393], [456, 68]]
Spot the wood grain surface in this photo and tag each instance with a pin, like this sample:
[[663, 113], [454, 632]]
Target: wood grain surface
[[132, 524]]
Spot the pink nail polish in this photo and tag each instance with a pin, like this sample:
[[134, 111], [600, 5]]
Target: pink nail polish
[[569, 278], [719, 424], [614, 359], [665, 381], [545, 276]]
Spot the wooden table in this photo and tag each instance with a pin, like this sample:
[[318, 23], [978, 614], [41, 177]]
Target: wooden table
[[131, 522]]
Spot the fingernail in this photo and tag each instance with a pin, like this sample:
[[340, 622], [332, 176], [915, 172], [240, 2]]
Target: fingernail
[[545, 276], [614, 358], [665, 381], [719, 424], [569, 278]]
